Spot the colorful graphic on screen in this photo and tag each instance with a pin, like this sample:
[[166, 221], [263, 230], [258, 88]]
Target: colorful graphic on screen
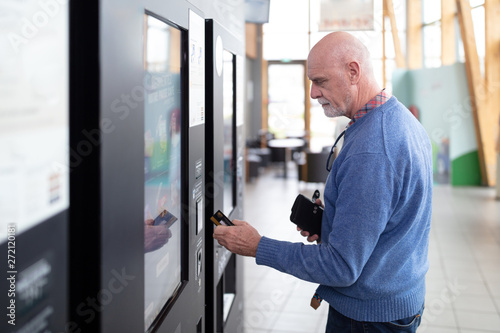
[[162, 165]]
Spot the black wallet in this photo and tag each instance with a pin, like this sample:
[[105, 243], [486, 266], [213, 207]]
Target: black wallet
[[306, 214]]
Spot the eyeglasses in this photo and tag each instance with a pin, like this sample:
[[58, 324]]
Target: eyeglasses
[[328, 163]]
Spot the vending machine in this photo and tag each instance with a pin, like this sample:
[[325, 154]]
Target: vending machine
[[224, 159], [138, 194]]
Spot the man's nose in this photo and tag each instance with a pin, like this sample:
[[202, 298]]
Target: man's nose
[[315, 92]]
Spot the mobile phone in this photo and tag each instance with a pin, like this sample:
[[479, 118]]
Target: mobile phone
[[165, 218], [220, 219]]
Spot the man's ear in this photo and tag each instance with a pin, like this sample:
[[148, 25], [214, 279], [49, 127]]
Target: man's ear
[[354, 72]]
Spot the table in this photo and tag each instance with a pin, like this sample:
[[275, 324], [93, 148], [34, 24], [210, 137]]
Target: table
[[286, 144]]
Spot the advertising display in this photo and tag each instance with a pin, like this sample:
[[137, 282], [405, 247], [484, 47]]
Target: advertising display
[[162, 165]]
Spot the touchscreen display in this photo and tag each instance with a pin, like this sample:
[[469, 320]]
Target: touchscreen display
[[228, 112], [162, 165]]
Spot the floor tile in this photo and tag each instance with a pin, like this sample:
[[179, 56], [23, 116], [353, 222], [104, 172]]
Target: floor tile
[[437, 317], [255, 330], [494, 288], [472, 288], [497, 303], [474, 304], [260, 320], [480, 321], [437, 329], [295, 322]]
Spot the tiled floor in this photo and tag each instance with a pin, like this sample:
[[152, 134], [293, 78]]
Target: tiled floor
[[463, 283]]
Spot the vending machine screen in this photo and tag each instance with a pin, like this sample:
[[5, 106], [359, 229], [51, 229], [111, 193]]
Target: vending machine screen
[[162, 165]]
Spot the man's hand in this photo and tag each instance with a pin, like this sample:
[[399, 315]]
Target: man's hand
[[311, 238], [155, 236], [242, 238]]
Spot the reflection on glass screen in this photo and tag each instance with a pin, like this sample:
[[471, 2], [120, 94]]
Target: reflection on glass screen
[[162, 165], [228, 111]]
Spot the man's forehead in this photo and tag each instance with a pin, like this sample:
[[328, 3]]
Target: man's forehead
[[317, 60], [318, 77], [316, 72]]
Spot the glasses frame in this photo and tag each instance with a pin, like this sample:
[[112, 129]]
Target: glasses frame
[[328, 166]]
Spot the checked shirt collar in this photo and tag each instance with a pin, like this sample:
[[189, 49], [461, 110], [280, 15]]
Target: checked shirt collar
[[375, 102]]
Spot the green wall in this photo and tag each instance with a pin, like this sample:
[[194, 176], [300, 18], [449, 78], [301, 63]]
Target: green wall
[[442, 98]]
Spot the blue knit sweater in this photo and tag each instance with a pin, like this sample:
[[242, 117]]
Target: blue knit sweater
[[372, 260]]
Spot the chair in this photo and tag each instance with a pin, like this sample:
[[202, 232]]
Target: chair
[[313, 168], [278, 155], [254, 162], [263, 153]]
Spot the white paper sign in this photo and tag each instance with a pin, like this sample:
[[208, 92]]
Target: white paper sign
[[196, 69], [345, 15], [34, 90]]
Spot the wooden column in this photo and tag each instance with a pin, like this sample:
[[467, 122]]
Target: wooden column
[[384, 57], [414, 34], [477, 93], [492, 78], [448, 44], [251, 31], [307, 106], [264, 86], [389, 12]]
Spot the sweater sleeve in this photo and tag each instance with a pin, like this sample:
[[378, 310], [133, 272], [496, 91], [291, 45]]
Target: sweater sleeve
[[366, 185]]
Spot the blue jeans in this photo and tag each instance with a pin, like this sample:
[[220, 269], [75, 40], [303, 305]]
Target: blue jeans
[[338, 323]]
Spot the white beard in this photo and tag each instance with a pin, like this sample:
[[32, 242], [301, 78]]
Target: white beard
[[333, 111]]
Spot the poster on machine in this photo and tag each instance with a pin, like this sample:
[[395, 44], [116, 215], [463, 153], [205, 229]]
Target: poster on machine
[[34, 130], [346, 15]]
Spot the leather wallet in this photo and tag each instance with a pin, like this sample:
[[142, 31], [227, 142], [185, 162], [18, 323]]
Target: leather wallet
[[307, 215]]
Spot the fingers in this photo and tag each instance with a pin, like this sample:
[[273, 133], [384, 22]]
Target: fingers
[[218, 236], [303, 232], [318, 202], [219, 231], [312, 238], [242, 238], [239, 222], [155, 237]]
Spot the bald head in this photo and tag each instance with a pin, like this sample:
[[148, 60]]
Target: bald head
[[341, 48], [340, 69]]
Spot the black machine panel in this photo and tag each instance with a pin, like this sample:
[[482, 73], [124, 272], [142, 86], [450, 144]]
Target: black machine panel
[[224, 156], [35, 294], [145, 178]]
